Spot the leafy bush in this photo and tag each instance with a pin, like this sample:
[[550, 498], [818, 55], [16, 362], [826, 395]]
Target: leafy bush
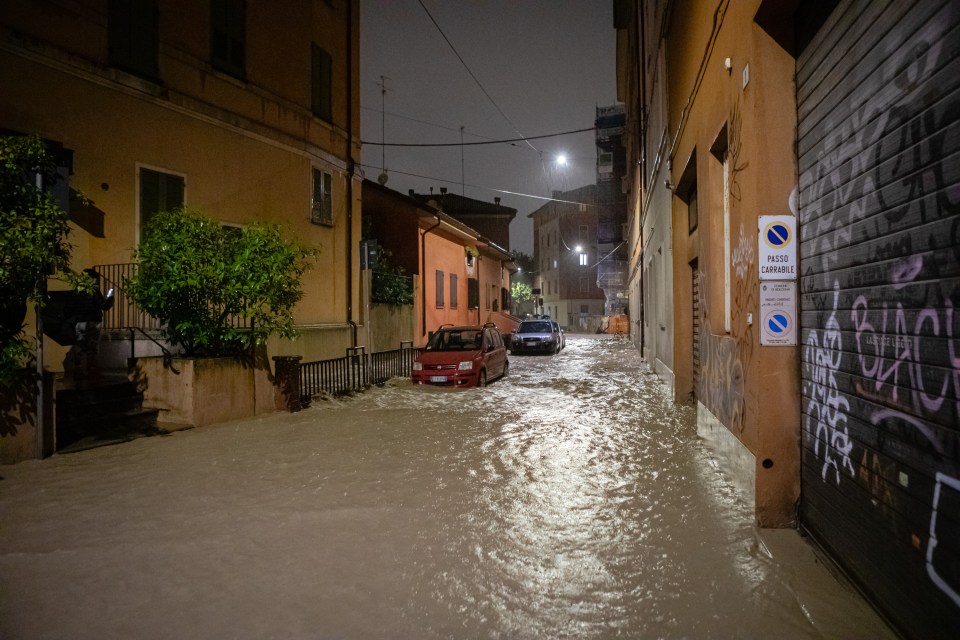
[[391, 285], [33, 242], [217, 290], [521, 292]]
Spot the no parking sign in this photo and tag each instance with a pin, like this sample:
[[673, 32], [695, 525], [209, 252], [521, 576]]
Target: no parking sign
[[778, 313], [777, 248]]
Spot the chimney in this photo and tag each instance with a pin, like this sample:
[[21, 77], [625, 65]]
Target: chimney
[[443, 191], [410, 192], [496, 201]]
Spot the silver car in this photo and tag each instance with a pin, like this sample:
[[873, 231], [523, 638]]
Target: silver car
[[536, 336], [561, 336]]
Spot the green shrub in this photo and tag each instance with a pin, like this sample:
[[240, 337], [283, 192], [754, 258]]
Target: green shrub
[[33, 242], [390, 285], [521, 292], [217, 290]]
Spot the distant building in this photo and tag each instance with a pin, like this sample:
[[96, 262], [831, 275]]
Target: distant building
[[611, 204], [461, 276], [566, 255], [489, 219]]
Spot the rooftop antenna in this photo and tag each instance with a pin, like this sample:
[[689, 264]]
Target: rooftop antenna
[[383, 177]]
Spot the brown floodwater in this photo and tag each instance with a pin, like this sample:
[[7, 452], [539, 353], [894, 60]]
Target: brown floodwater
[[570, 500]]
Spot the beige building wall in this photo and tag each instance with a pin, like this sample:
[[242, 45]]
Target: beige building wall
[[743, 116], [718, 138]]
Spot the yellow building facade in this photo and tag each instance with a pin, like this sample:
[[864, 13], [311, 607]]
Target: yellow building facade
[[242, 111]]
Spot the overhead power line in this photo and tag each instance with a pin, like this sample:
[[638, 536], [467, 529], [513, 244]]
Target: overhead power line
[[429, 124], [468, 144], [477, 186], [475, 79]]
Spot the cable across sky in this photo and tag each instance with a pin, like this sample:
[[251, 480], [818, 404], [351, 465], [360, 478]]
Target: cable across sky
[[471, 144]]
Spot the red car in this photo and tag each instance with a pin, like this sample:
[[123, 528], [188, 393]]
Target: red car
[[462, 357]]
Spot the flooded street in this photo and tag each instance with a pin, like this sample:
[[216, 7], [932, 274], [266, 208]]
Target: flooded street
[[570, 500]]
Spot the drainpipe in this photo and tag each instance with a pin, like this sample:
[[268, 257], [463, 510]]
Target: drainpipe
[[642, 134], [479, 289], [423, 277], [41, 391], [351, 167]]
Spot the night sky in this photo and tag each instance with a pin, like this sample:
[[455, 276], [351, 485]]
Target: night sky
[[541, 67]]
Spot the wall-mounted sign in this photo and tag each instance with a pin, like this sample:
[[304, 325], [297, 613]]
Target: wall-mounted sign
[[778, 248], [778, 314]]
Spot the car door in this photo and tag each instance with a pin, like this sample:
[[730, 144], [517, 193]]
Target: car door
[[495, 353]]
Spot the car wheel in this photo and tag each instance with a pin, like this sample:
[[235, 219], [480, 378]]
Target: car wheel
[[482, 380]]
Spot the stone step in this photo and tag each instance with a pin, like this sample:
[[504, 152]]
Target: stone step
[[108, 410]]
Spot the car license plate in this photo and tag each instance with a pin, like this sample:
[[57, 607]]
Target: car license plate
[[438, 378]]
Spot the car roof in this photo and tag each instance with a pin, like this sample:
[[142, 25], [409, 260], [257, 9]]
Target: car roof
[[474, 327]]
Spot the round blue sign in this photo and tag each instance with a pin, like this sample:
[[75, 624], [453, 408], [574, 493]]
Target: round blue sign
[[778, 235], [778, 323]]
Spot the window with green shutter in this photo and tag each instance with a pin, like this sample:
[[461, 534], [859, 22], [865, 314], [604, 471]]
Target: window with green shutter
[[322, 84], [321, 206], [132, 36], [158, 192], [228, 36]]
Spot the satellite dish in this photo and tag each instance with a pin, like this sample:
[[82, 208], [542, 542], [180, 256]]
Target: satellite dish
[[382, 178]]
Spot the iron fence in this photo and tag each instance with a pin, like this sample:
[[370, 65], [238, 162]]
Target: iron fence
[[355, 371], [125, 313]]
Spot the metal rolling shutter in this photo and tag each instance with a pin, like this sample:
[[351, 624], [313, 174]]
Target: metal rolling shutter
[[694, 268], [878, 95]]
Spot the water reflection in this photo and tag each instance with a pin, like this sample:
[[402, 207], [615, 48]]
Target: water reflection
[[573, 500]]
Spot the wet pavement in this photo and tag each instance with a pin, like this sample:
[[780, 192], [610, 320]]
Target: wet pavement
[[570, 500]]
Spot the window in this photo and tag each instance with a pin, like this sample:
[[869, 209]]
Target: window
[[322, 84], [584, 286], [132, 35], [584, 309], [473, 293], [454, 298], [158, 192], [321, 205], [228, 36], [583, 260], [584, 232], [554, 263], [439, 289], [686, 190], [693, 215]]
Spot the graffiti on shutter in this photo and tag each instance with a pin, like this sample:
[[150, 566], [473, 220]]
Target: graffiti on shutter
[[878, 98]]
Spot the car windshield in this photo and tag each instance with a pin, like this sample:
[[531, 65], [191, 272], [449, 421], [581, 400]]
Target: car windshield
[[455, 340], [534, 327]]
